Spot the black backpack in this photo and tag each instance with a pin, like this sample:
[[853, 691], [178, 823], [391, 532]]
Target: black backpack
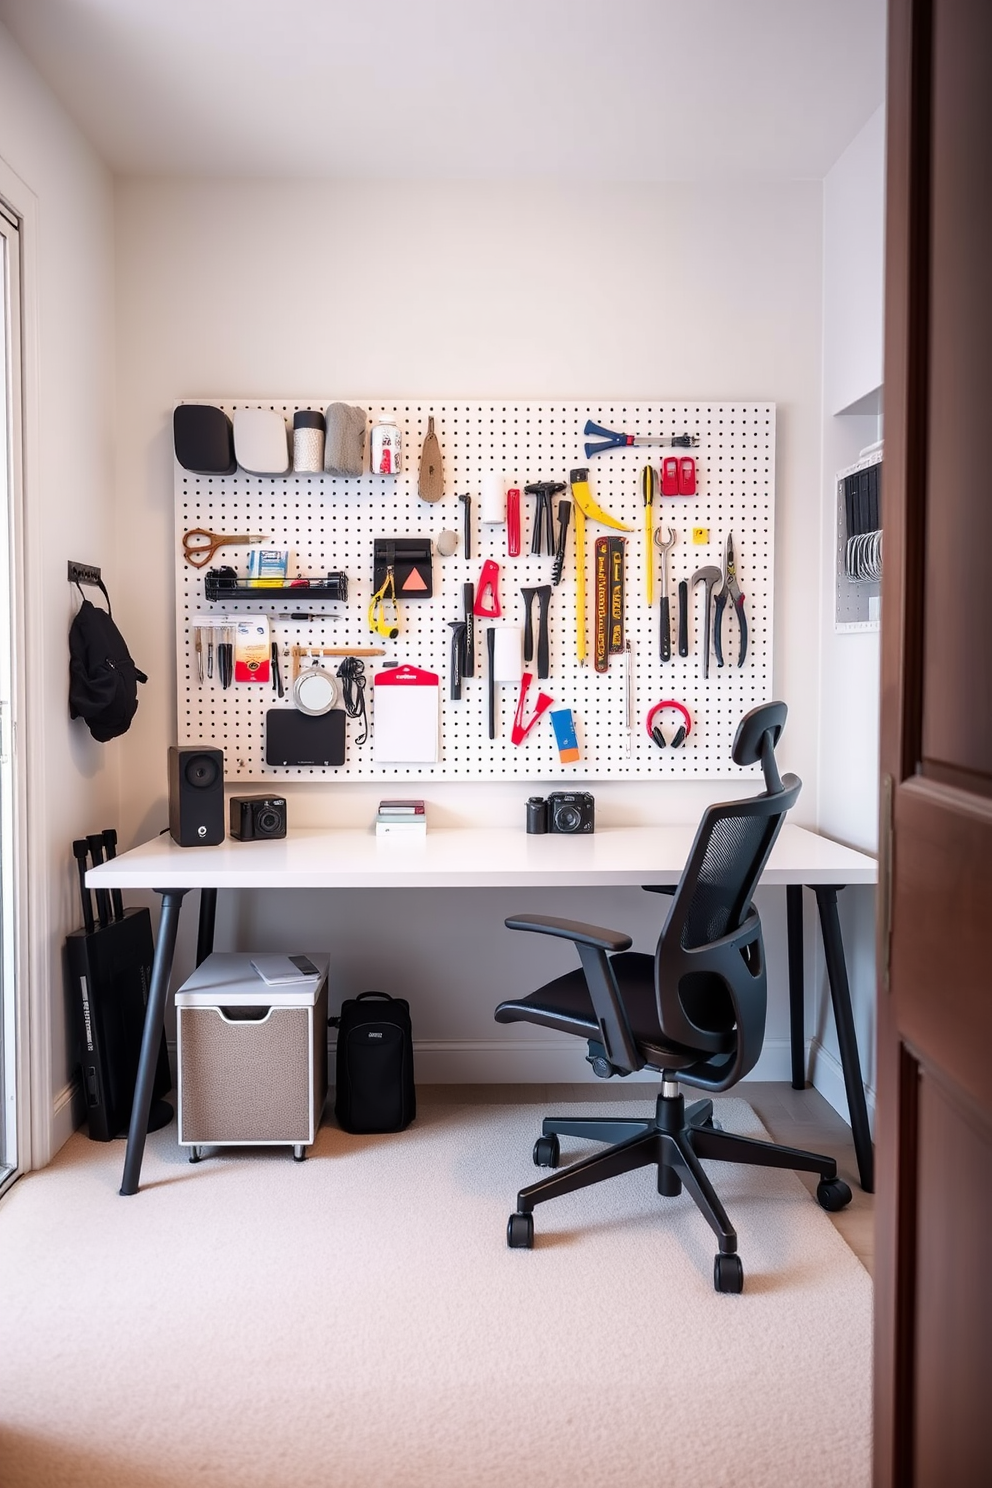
[[374, 1083], [103, 680]]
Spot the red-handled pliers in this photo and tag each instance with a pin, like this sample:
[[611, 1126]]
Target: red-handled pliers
[[729, 587]]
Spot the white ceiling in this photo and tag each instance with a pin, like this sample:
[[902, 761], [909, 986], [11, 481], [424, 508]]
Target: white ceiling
[[591, 90]]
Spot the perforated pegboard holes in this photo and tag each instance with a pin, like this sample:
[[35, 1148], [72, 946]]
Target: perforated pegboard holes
[[330, 523]]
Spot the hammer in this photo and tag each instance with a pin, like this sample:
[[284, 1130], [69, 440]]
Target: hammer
[[709, 576]]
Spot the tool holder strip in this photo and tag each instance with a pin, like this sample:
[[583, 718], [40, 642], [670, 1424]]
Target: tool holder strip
[[330, 524]]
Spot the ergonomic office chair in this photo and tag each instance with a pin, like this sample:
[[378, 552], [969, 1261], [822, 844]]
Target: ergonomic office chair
[[694, 1011]]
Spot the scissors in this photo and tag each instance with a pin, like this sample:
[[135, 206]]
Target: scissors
[[731, 588], [612, 440], [199, 545]]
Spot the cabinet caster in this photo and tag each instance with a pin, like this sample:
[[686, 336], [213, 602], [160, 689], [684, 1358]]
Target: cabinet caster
[[728, 1273], [195, 1154], [520, 1232], [299, 1152], [832, 1194], [547, 1152]]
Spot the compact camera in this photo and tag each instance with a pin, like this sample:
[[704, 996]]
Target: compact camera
[[253, 817], [571, 811]]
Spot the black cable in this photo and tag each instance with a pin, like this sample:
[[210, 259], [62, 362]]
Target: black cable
[[352, 674]]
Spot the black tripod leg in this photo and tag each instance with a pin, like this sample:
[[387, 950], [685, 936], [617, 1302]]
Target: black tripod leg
[[794, 934], [151, 1037], [840, 996]]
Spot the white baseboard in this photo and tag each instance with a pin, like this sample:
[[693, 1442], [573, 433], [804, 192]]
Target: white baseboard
[[827, 1076], [68, 1113]]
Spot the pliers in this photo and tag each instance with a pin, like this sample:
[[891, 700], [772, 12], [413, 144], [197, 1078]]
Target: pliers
[[729, 587]]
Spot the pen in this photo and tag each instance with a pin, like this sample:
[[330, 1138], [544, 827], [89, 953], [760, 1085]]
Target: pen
[[198, 644]]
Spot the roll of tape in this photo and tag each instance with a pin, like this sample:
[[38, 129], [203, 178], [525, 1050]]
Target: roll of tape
[[508, 658], [492, 507]]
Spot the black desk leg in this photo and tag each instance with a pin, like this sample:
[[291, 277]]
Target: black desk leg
[[205, 930], [797, 1030], [840, 996], [165, 947]]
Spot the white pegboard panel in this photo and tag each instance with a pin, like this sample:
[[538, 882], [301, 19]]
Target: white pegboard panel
[[329, 523]]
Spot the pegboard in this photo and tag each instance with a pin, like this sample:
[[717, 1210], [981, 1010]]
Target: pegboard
[[329, 524]]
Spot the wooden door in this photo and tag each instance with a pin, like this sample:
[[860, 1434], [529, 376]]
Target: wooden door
[[933, 1399]]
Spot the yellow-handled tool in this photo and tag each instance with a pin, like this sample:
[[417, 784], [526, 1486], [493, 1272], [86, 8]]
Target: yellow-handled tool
[[585, 507], [649, 490]]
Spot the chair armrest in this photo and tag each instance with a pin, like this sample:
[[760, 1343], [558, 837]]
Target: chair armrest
[[574, 930]]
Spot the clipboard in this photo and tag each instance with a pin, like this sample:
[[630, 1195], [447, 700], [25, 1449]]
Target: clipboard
[[406, 726]]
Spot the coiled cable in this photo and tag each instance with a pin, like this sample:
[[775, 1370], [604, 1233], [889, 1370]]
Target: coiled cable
[[352, 674]]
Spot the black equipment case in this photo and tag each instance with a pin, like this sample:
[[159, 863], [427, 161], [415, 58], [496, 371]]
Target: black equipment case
[[109, 965], [374, 1091]]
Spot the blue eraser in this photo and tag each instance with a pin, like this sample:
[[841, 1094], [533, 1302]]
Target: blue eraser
[[564, 727]]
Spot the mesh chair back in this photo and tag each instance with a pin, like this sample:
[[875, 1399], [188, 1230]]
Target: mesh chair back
[[709, 964]]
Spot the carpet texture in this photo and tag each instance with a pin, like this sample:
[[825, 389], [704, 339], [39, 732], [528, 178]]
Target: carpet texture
[[356, 1321]]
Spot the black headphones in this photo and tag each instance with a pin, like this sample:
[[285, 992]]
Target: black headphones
[[681, 733]]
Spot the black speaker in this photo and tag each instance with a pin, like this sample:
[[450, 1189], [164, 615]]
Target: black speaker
[[196, 795]]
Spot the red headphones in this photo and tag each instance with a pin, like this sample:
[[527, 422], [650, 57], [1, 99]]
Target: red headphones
[[681, 733]]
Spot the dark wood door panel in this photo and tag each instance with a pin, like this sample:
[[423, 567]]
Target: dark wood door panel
[[941, 969], [957, 683], [953, 1312]]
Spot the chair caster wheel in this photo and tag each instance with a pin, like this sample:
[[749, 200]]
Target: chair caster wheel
[[832, 1194], [195, 1154], [520, 1232], [728, 1273], [299, 1152], [547, 1152]]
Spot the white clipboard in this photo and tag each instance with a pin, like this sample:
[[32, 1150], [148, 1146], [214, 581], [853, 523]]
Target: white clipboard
[[406, 718]]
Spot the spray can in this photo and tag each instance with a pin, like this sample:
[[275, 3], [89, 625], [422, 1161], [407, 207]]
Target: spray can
[[384, 448]]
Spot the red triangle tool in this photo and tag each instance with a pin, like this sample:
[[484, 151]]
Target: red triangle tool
[[520, 730], [488, 580]]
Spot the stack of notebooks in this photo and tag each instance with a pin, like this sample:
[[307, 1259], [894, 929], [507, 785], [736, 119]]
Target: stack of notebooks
[[406, 818]]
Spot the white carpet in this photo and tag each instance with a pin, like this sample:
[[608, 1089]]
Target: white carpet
[[356, 1321]]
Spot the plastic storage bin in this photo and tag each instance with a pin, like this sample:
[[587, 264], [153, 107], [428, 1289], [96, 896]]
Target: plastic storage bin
[[252, 1057]]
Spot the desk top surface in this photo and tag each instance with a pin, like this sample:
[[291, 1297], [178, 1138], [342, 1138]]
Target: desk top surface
[[461, 857]]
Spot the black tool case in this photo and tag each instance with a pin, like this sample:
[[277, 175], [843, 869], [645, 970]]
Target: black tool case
[[109, 966]]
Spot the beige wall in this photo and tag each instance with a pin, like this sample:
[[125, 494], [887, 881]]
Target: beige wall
[[286, 290], [54, 179]]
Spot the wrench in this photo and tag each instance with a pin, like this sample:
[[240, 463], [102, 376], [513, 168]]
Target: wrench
[[666, 618], [709, 576]]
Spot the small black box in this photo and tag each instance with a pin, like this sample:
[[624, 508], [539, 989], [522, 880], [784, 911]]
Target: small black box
[[256, 817], [294, 738]]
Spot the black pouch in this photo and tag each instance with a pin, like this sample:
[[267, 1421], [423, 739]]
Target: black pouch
[[374, 1081]]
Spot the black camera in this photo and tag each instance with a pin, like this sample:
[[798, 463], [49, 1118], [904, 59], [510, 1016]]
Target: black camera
[[571, 811], [253, 817]]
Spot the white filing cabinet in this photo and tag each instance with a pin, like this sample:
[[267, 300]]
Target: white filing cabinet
[[252, 1057]]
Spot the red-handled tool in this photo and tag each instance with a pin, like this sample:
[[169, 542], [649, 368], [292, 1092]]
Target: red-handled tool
[[520, 730], [487, 593]]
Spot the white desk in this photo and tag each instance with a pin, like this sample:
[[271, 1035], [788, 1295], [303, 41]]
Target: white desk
[[482, 857]]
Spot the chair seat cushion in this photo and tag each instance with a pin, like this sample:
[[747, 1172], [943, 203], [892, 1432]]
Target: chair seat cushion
[[565, 1005]]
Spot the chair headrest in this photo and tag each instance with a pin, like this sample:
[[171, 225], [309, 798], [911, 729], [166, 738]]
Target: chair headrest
[[749, 742]]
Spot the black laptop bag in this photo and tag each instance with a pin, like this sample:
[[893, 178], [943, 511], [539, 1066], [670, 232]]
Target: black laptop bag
[[374, 1083]]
